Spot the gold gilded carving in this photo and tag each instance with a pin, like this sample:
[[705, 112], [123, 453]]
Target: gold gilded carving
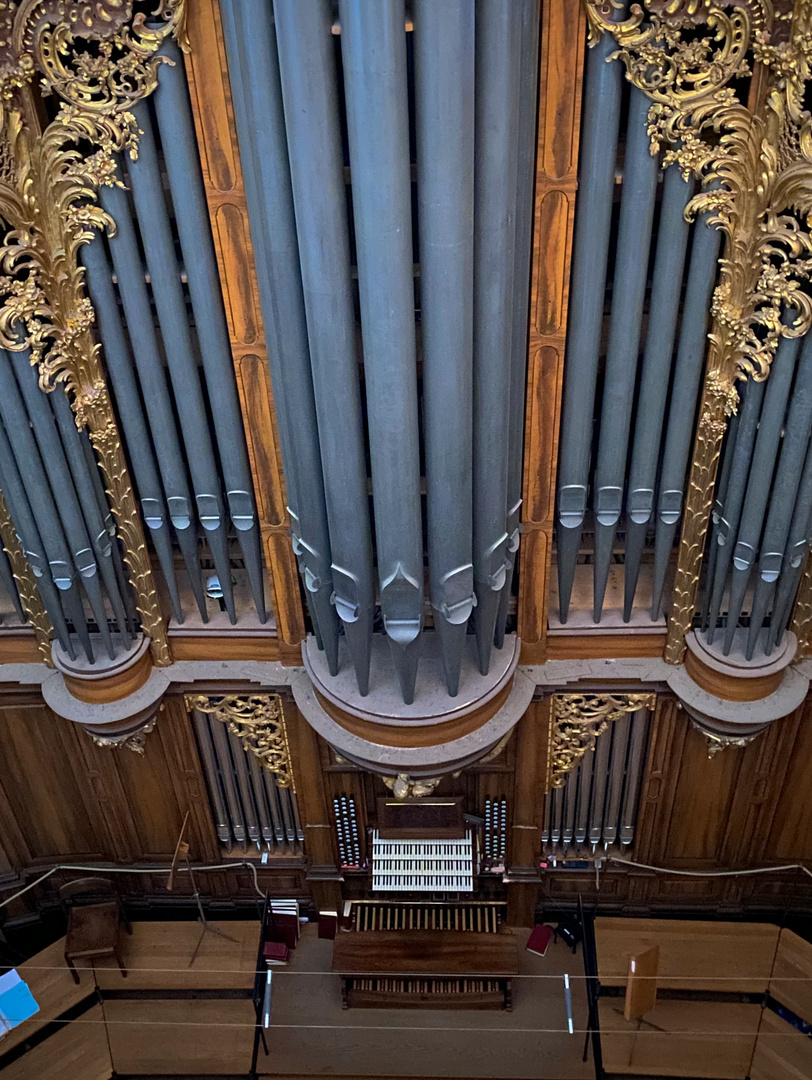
[[755, 168], [258, 720], [577, 720], [801, 624], [98, 60], [26, 585], [135, 742]]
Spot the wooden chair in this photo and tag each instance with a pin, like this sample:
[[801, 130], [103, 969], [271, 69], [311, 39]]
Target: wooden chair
[[94, 921]]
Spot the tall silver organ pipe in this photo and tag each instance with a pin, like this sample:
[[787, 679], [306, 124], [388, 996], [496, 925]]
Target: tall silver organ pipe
[[38, 495], [151, 380], [522, 254], [628, 294], [669, 262], [176, 126], [64, 491], [444, 108], [159, 251], [498, 51], [373, 48], [25, 526], [797, 549], [309, 91], [688, 367], [596, 179], [119, 366]]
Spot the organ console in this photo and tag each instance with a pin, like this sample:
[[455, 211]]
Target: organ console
[[422, 865], [426, 955]]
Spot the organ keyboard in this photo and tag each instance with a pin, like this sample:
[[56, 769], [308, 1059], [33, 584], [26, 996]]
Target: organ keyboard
[[422, 865]]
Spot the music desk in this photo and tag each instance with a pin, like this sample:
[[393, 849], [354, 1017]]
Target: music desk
[[446, 969]]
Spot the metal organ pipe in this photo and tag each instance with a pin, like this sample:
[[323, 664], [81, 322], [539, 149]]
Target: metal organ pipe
[[176, 126], [118, 364], [669, 263], [25, 526], [522, 254], [151, 377], [596, 179], [783, 494], [687, 376], [444, 108], [254, 66], [498, 50], [373, 47], [794, 556], [62, 486], [628, 294], [159, 249], [762, 467], [36, 492]]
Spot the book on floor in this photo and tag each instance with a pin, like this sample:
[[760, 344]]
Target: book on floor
[[539, 940]]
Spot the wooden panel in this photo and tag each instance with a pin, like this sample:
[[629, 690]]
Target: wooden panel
[[781, 1053], [78, 1051], [44, 820], [680, 1038], [19, 647], [791, 983], [790, 834], [186, 1037], [425, 952], [694, 955], [54, 991], [562, 54], [211, 102], [157, 956]]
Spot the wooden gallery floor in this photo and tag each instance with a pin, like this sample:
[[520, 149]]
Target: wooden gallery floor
[[149, 1024]]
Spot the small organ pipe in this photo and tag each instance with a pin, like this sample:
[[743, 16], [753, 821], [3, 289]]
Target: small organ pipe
[[444, 107], [99, 536], [176, 126], [773, 572], [596, 181], [373, 48], [65, 497], [783, 492], [38, 495], [159, 249], [498, 51], [687, 377], [252, 56], [628, 293], [762, 467], [25, 526], [522, 254], [669, 264], [152, 379], [724, 531]]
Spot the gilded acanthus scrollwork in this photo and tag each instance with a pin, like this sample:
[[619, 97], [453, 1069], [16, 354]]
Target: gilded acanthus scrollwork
[[258, 720], [577, 720], [754, 164], [98, 60]]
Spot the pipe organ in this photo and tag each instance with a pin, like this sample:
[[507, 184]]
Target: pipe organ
[[309, 311]]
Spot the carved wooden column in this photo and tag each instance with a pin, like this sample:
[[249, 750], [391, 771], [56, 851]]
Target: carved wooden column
[[530, 786], [562, 58], [219, 153], [323, 873]]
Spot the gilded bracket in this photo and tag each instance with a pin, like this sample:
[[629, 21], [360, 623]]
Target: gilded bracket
[[577, 720], [258, 720], [755, 168], [98, 60]]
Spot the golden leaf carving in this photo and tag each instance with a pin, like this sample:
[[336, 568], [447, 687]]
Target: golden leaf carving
[[258, 720], [26, 585], [577, 720]]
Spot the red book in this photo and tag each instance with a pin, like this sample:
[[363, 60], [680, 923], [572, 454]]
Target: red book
[[328, 924], [287, 928], [540, 938], [276, 952]]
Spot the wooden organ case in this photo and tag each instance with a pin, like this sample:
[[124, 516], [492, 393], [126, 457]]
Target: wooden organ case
[[424, 917]]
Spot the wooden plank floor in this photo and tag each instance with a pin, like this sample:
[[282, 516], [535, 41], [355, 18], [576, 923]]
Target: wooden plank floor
[[78, 1051], [694, 955], [791, 981], [782, 1053]]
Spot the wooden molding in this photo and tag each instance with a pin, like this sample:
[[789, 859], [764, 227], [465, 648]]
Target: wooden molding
[[210, 92], [563, 39]]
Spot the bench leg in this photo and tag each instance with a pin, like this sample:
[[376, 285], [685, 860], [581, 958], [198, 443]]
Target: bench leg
[[73, 970], [120, 963]]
